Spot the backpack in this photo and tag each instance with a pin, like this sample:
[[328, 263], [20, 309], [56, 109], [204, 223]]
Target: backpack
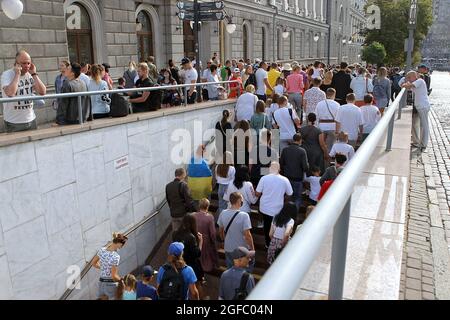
[[119, 105], [378, 89], [172, 284], [395, 79], [241, 292]]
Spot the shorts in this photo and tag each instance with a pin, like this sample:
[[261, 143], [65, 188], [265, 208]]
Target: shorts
[[108, 289]]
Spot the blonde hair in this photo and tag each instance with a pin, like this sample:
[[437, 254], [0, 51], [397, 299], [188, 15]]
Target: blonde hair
[[203, 204], [343, 136], [143, 66], [250, 88], [96, 73], [382, 72]]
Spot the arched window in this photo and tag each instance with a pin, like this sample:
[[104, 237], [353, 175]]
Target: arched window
[[144, 36], [79, 34], [245, 41], [189, 40]]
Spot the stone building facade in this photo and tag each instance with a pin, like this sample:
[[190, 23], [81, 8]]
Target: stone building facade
[[118, 31]]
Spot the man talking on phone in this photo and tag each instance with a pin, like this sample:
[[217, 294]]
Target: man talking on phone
[[21, 80]]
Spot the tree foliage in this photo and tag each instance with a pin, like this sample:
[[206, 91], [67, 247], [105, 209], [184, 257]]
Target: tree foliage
[[374, 53], [394, 28]]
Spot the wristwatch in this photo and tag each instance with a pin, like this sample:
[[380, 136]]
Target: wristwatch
[[34, 74]]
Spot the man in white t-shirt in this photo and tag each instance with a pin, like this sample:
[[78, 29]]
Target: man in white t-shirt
[[371, 115], [422, 105], [326, 112], [349, 119], [272, 189], [286, 120], [246, 104], [262, 81], [22, 80], [190, 77]]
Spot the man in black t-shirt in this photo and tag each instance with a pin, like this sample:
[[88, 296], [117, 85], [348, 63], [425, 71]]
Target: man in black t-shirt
[[142, 101]]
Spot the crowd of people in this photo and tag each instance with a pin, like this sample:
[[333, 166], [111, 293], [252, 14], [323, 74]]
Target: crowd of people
[[293, 130]]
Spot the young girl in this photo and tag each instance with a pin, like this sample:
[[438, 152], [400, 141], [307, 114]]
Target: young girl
[[342, 147], [225, 173], [99, 103], [273, 106], [127, 288], [281, 229], [279, 88], [260, 120]]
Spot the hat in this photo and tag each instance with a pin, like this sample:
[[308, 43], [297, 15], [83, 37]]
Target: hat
[[422, 66], [257, 60], [242, 252], [287, 67], [185, 60], [176, 249], [237, 70], [148, 271]]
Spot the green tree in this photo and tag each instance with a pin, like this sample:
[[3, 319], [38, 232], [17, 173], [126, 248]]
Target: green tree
[[394, 28], [374, 53]]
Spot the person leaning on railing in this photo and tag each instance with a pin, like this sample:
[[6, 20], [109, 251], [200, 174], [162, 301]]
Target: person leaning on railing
[[21, 80]]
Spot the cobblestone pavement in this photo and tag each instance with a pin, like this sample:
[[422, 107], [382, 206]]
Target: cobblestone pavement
[[426, 258]]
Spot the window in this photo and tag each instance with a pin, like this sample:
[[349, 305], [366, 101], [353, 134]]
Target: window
[[279, 45], [263, 44], [79, 34], [189, 40], [144, 36], [292, 46], [245, 41]]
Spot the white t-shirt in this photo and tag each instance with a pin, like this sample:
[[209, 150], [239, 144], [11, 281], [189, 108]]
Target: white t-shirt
[[190, 75], [260, 75], [342, 148], [314, 183], [371, 115], [230, 176], [325, 112], [361, 86], [108, 259], [21, 111], [248, 193], [206, 74], [246, 106], [273, 188], [280, 232], [317, 74], [421, 94], [270, 111], [350, 118], [283, 119], [279, 89]]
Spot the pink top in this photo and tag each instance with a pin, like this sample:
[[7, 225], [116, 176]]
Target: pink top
[[294, 83]]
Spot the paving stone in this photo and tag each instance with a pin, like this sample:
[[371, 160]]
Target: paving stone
[[426, 280], [413, 283], [413, 273], [413, 263], [428, 288]]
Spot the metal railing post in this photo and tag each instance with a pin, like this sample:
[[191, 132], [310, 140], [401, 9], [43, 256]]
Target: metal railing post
[[185, 96], [339, 254], [80, 111], [238, 90], [390, 134]]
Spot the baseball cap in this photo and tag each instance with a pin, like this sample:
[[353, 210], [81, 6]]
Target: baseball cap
[[422, 66], [148, 271], [185, 60], [242, 252], [236, 70], [176, 249], [257, 60]]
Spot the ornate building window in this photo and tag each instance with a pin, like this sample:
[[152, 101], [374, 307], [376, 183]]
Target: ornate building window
[[144, 36], [79, 34]]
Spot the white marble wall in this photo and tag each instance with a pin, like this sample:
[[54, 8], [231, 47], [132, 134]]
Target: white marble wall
[[61, 199]]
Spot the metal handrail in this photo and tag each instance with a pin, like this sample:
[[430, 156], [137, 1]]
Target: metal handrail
[[94, 93], [284, 277], [88, 265]]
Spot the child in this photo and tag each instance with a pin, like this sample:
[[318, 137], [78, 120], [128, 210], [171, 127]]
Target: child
[[121, 83], [144, 289], [342, 147], [280, 230], [314, 182], [279, 88], [370, 114], [273, 106], [309, 210], [127, 288]]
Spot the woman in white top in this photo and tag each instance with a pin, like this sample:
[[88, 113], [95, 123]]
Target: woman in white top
[[100, 103], [243, 185], [361, 86], [225, 173], [246, 104], [281, 230]]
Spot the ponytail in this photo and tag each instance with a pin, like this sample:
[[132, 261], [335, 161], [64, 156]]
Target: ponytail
[[225, 116]]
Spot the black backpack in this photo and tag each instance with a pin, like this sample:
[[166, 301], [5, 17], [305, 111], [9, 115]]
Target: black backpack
[[241, 292], [172, 284], [119, 105]]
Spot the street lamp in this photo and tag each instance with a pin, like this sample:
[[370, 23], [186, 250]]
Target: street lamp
[[412, 23], [344, 41], [12, 8], [285, 34], [231, 27], [316, 37]]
